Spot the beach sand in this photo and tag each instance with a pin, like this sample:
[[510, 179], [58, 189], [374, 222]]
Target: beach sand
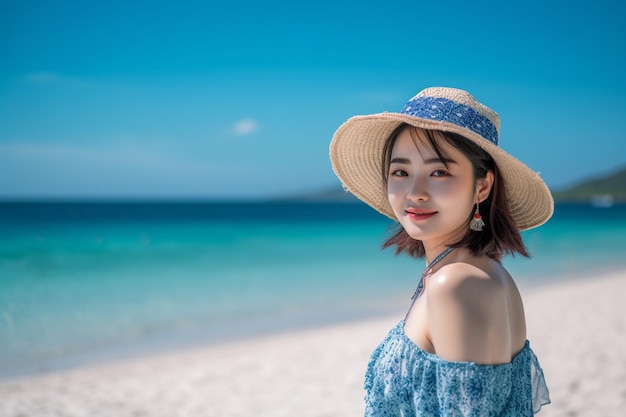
[[576, 328]]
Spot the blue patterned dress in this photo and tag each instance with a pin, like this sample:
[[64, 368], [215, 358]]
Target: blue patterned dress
[[403, 380]]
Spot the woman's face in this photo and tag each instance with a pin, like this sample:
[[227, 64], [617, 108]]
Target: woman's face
[[432, 201]]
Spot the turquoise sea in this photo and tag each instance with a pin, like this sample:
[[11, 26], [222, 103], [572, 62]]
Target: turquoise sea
[[85, 282]]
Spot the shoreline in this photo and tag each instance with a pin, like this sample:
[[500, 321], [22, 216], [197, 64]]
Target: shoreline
[[250, 330], [215, 334], [575, 327]]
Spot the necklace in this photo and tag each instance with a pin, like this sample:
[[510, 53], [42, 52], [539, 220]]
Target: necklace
[[420, 286]]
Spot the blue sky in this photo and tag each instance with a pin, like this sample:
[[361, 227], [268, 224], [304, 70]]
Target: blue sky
[[239, 99]]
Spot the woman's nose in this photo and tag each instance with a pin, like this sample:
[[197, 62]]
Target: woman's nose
[[418, 190]]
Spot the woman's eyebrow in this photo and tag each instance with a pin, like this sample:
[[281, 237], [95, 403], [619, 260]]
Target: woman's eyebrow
[[444, 161], [400, 161], [426, 161]]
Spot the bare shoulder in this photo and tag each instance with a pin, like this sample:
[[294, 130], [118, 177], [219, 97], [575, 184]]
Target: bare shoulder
[[466, 304], [465, 282]]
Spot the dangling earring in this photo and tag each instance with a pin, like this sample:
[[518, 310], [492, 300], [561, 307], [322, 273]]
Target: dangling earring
[[477, 223]]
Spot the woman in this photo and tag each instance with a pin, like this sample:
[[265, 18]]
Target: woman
[[461, 203]]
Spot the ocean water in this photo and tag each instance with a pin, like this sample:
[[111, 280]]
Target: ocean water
[[85, 282]]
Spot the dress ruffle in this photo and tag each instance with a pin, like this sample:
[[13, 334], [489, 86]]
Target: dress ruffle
[[404, 380]]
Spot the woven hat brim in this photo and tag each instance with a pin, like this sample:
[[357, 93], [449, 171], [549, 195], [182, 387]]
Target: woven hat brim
[[356, 157]]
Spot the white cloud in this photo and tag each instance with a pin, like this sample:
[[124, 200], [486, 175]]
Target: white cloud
[[102, 159], [245, 127], [111, 169], [48, 77], [42, 77]]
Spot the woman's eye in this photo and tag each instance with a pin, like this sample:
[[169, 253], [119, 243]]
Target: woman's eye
[[439, 173], [398, 173]]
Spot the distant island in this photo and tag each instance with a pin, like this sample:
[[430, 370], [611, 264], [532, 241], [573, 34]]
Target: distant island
[[604, 190], [600, 191]]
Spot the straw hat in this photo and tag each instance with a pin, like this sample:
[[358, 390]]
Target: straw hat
[[357, 147]]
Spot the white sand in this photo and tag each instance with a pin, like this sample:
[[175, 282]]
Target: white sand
[[577, 329]]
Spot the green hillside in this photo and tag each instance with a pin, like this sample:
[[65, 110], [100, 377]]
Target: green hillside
[[613, 185]]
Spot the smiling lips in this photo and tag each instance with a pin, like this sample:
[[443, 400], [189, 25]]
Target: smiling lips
[[419, 214]]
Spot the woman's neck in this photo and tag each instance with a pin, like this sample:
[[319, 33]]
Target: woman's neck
[[433, 247]]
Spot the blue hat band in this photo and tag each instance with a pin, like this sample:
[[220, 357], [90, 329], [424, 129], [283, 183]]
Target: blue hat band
[[444, 110]]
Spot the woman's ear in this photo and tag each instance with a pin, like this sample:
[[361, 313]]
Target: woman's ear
[[483, 187]]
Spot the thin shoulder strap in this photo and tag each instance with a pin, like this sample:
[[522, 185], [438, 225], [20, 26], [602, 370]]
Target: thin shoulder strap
[[410, 307], [420, 287]]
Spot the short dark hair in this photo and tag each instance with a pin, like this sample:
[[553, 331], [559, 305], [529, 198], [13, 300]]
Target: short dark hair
[[500, 234]]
